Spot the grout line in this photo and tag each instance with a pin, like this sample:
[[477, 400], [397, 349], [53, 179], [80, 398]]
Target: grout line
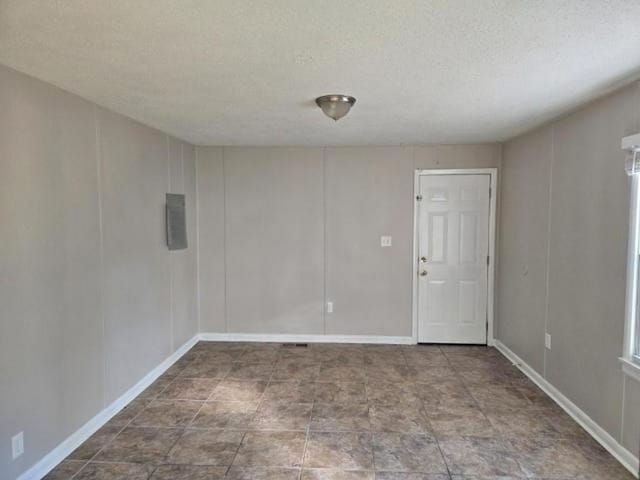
[[458, 378], [244, 430], [306, 437], [86, 462], [190, 422], [481, 409], [236, 452], [128, 424], [122, 427], [273, 371]]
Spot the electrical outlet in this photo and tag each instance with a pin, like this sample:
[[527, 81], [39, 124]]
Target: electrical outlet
[[17, 445], [385, 241], [547, 341], [329, 307]]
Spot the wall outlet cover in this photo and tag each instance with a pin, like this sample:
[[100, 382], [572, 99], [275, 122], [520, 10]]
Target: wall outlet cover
[[385, 241], [17, 445], [329, 307]]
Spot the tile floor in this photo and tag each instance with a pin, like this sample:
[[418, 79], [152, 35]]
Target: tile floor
[[340, 412]]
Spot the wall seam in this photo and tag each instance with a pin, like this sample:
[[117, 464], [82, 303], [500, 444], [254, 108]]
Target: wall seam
[[496, 244], [324, 241], [197, 205], [184, 192], [170, 258], [224, 240], [415, 331], [548, 259], [102, 313]]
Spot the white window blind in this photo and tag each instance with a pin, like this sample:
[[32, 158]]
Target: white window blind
[[632, 162], [631, 147]]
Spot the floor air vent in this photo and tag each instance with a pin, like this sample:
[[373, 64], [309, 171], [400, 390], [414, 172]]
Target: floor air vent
[[295, 345]]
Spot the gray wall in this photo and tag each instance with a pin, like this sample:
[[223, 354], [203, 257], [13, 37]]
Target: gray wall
[[564, 226], [274, 248], [90, 298], [283, 229]]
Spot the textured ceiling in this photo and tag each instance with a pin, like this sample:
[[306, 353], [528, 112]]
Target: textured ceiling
[[239, 72]]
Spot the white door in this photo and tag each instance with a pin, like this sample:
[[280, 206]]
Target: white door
[[453, 249]]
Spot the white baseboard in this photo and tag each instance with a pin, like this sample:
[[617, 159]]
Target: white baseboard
[[64, 449], [624, 456], [284, 338]]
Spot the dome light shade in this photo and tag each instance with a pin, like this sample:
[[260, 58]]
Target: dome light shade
[[335, 106]]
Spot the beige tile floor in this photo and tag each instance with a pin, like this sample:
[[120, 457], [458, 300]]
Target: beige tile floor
[[340, 412]]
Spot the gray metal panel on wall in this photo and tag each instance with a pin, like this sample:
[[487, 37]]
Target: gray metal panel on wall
[[137, 272], [274, 240], [211, 249], [176, 220], [369, 193], [524, 244]]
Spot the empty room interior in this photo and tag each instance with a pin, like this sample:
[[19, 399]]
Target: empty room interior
[[319, 240]]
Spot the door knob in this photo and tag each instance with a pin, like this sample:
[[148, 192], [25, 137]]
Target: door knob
[[423, 259], [423, 273]]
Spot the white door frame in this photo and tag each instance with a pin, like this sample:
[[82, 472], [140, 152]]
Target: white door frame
[[493, 175]]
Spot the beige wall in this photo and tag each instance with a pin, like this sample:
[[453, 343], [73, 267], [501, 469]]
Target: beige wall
[[524, 245], [274, 247], [369, 193], [283, 229], [211, 234], [90, 298], [564, 224]]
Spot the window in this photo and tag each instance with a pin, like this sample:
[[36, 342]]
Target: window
[[631, 352], [633, 321]]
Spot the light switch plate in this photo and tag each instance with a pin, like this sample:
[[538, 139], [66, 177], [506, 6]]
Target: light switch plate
[[547, 341], [329, 307], [385, 241]]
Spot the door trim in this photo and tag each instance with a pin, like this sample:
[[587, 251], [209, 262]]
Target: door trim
[[493, 181]]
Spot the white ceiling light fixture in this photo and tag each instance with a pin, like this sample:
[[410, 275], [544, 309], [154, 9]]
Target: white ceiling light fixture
[[335, 106]]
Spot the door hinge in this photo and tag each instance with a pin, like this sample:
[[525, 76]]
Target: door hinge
[[487, 259], [490, 190], [419, 198]]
